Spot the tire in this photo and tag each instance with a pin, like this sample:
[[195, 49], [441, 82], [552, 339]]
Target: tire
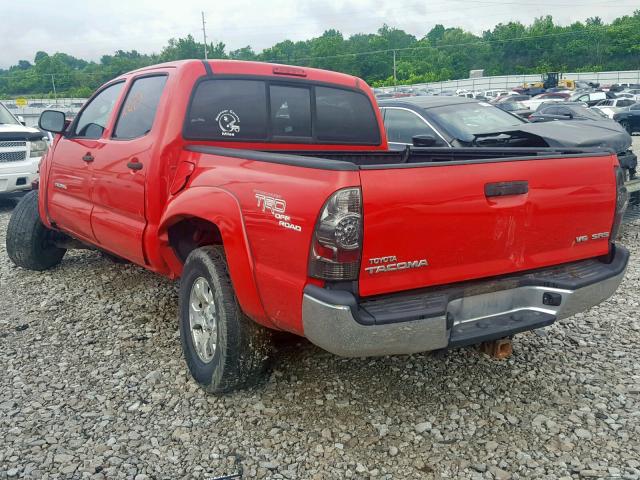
[[28, 240], [234, 355]]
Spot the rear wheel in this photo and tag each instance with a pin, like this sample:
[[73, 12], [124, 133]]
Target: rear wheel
[[29, 243], [224, 349]]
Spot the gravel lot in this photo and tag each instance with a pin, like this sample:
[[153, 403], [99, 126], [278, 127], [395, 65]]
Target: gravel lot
[[93, 385]]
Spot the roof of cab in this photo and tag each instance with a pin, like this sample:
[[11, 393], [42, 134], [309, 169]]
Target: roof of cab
[[241, 67]]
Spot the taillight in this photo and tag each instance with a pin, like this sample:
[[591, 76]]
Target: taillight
[[622, 200], [337, 239]]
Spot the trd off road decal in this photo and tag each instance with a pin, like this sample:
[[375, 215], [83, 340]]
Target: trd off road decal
[[228, 121], [272, 203]]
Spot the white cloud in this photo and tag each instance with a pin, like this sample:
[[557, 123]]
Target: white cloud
[[89, 29]]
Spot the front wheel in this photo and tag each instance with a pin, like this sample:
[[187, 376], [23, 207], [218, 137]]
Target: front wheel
[[29, 242], [224, 349]]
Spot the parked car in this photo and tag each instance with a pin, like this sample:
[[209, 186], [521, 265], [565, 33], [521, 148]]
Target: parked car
[[511, 98], [460, 122], [270, 192], [552, 111], [534, 102], [21, 149], [495, 93], [629, 118], [520, 109], [613, 105], [590, 98]]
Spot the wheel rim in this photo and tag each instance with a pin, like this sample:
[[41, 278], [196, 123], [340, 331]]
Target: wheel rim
[[203, 319]]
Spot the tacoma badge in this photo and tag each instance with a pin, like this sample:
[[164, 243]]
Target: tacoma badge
[[391, 264]]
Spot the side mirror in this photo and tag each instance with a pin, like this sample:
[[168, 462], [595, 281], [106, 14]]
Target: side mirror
[[21, 120], [423, 140], [52, 121]]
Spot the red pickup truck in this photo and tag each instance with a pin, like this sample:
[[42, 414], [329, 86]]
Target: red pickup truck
[[270, 192]]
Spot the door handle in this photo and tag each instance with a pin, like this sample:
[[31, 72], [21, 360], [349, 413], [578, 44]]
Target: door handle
[[502, 189], [134, 165], [88, 157]]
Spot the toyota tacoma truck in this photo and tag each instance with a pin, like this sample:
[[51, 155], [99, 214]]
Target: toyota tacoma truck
[[270, 192]]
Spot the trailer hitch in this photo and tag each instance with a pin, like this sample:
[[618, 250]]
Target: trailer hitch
[[499, 349]]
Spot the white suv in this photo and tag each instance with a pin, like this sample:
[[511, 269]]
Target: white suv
[[21, 149]]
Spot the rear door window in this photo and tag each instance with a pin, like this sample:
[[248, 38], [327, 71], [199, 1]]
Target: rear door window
[[403, 125], [228, 110], [139, 108]]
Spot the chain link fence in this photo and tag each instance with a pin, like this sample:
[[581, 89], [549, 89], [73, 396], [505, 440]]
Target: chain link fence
[[508, 82]]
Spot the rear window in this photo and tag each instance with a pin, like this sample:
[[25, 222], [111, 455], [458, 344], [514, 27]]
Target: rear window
[[257, 110]]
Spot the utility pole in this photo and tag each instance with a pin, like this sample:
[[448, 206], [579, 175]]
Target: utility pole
[[395, 77], [53, 83], [204, 33]]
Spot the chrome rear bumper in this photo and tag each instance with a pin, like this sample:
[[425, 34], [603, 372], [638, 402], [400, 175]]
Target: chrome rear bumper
[[458, 315]]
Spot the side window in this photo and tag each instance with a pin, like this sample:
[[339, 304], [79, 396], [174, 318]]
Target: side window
[[550, 111], [403, 125], [139, 108], [635, 107], [584, 98], [93, 119], [228, 110], [290, 111], [345, 116], [625, 103]]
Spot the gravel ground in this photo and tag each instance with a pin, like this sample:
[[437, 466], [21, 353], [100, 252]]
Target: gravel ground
[[93, 385]]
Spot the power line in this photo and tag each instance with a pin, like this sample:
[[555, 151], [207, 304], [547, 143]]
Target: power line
[[426, 47], [478, 42]]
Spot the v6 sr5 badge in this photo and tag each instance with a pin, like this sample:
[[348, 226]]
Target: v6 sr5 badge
[[275, 205]]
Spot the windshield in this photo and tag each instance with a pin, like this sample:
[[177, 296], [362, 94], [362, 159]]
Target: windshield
[[592, 114], [470, 119], [6, 117]]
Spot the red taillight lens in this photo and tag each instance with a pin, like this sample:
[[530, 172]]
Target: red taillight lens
[[622, 200], [337, 240]]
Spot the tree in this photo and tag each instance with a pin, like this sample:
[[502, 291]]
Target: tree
[[443, 53]]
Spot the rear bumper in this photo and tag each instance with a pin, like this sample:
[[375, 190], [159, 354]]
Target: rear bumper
[[460, 314]]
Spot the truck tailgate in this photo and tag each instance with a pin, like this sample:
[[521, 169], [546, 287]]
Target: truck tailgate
[[441, 223]]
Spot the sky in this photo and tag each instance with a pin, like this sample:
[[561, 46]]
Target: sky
[[89, 29]]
